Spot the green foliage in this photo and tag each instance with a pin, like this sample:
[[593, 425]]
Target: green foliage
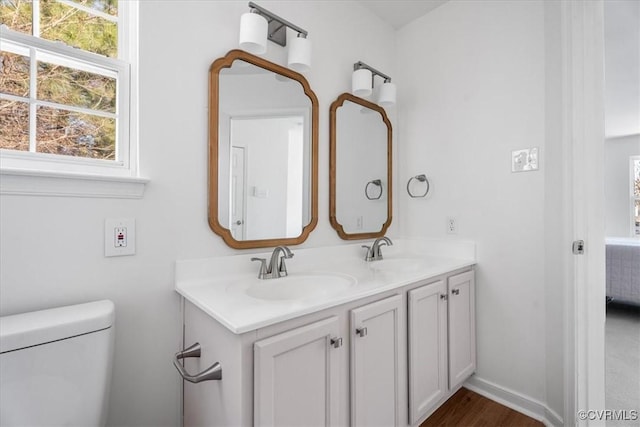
[[16, 14], [60, 131], [77, 28], [70, 86]]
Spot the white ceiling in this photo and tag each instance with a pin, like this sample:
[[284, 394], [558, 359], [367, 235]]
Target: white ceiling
[[401, 12], [622, 54]]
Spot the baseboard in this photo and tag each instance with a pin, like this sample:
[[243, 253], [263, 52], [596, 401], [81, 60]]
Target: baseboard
[[514, 400]]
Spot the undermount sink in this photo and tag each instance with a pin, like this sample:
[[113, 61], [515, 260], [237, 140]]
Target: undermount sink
[[300, 286], [397, 264]]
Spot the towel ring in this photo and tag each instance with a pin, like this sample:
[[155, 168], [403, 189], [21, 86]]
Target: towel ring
[[376, 182], [420, 178]]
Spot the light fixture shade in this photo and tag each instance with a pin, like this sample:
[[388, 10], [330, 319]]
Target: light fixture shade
[[387, 96], [300, 54], [253, 33], [361, 82]]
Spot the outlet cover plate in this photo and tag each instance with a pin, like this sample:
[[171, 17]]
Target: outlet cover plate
[[452, 225], [115, 243], [524, 160]]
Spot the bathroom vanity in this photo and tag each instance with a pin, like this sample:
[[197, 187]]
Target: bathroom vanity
[[339, 341]]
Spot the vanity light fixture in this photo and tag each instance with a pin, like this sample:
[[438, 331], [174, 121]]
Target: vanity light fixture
[[362, 84], [259, 25]]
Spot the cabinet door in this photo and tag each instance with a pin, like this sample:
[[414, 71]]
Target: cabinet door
[[296, 376], [375, 330], [427, 348], [462, 328]]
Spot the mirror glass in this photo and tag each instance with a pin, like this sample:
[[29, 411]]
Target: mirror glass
[[360, 184], [263, 165]]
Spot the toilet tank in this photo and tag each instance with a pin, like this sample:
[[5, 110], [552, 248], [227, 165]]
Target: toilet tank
[[55, 366]]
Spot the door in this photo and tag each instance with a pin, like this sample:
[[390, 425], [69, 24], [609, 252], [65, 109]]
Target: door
[[238, 193], [462, 328], [375, 330], [296, 376], [427, 348]]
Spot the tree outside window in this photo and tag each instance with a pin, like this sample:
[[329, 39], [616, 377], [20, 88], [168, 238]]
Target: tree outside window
[[56, 100]]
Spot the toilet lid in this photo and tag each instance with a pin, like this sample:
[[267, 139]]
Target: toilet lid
[[40, 327]]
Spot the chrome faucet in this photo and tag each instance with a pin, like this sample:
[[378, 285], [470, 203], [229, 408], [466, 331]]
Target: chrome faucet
[[373, 252], [277, 267]]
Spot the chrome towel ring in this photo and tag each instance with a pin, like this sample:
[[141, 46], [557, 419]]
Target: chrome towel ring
[[377, 183], [419, 178]]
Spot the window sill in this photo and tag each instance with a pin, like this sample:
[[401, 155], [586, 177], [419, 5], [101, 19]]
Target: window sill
[[38, 183]]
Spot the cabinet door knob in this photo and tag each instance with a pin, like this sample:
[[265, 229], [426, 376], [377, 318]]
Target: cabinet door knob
[[455, 291], [361, 331], [336, 342], [443, 296]]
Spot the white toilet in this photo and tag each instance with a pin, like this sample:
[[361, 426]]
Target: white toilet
[[55, 366]]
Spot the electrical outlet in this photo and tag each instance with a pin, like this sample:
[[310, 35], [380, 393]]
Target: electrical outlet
[[119, 237], [359, 220], [452, 226]]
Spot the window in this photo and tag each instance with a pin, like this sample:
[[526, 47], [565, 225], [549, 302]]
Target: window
[[635, 195], [65, 73]]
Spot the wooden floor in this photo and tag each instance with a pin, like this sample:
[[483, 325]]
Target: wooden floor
[[469, 409]]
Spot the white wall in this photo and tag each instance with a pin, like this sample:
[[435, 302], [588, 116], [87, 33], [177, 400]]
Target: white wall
[[555, 250], [471, 77], [617, 184], [51, 248]]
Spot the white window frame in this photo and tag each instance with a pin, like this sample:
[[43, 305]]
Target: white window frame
[[633, 197], [34, 173]]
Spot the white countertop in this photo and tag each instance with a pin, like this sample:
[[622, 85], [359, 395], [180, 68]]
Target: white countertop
[[218, 286]]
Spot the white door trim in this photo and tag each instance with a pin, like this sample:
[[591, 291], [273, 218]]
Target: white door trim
[[583, 147]]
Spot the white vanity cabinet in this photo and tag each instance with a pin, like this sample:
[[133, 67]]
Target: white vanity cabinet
[[462, 327], [427, 348], [343, 365], [297, 373], [442, 348], [375, 362], [296, 376]]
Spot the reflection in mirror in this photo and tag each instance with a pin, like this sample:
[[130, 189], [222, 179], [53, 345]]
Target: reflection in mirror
[[360, 184], [269, 172], [263, 127]]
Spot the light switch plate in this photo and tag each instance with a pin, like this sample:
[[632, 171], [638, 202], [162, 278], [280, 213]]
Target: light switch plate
[[119, 237], [524, 160]]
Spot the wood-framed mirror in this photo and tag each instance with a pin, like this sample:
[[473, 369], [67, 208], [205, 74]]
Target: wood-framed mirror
[[360, 182], [263, 153]]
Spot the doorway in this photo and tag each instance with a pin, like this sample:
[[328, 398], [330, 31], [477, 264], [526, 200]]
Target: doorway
[[622, 198]]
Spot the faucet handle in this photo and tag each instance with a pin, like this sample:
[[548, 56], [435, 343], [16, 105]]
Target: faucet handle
[[369, 254], [282, 267], [263, 267]]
